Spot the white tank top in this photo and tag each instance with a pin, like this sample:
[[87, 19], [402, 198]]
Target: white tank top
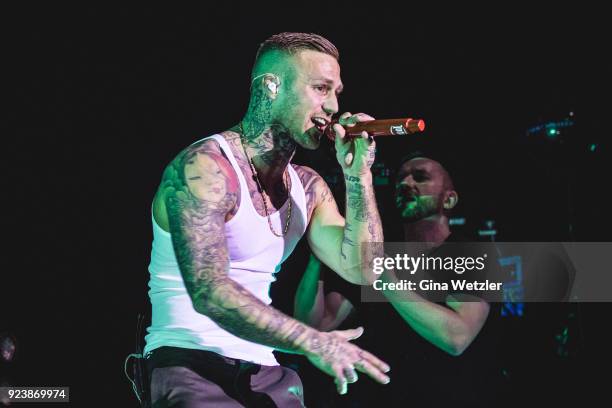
[[255, 256]]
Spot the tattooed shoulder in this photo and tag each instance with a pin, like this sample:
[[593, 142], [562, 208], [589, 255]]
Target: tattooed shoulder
[[200, 173], [316, 189]]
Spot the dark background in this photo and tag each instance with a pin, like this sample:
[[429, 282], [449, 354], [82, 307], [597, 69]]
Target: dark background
[[101, 98]]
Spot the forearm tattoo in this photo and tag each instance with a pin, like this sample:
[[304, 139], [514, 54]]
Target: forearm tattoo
[[362, 211], [239, 312], [356, 199]]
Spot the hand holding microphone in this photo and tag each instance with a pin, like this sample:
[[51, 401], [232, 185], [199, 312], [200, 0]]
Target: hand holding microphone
[[358, 156], [380, 127]]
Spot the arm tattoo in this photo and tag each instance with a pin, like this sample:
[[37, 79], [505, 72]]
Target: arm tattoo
[[355, 200], [361, 207], [346, 240], [362, 220], [197, 199], [199, 190], [309, 179]]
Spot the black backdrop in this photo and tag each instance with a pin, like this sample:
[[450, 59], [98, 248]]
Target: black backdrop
[[102, 97]]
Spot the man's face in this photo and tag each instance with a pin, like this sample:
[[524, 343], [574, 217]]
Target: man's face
[[306, 105], [420, 189]]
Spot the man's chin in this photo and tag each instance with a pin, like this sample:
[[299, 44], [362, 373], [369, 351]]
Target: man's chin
[[409, 217], [312, 139], [411, 214]]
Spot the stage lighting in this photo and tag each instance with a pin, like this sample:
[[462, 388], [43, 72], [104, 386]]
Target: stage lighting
[[456, 221], [551, 130]]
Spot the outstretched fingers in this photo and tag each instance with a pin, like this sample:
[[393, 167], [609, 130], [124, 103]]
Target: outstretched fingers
[[340, 380], [373, 366]]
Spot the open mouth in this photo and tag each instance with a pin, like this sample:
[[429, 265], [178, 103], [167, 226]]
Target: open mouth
[[320, 123]]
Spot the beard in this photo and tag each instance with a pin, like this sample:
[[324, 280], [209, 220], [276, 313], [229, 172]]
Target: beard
[[419, 208], [309, 138], [312, 139]]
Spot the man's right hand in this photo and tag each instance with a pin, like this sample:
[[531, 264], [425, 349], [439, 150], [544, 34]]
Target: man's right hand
[[333, 354]]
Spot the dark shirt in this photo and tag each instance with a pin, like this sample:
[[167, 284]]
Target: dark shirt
[[422, 374]]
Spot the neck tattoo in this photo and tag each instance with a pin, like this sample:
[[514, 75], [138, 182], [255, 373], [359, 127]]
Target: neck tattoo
[[287, 183]]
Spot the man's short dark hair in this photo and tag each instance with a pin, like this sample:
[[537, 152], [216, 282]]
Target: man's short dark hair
[[438, 157], [413, 155], [292, 43]]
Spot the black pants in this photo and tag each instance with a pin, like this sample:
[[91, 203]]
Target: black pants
[[196, 378]]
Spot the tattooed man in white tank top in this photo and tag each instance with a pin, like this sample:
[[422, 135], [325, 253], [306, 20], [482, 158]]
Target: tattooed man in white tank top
[[230, 208]]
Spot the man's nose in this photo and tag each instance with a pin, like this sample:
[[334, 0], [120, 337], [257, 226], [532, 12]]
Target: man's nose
[[407, 182], [330, 104]]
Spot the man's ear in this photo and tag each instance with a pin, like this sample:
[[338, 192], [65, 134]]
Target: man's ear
[[268, 82], [451, 200], [271, 85]]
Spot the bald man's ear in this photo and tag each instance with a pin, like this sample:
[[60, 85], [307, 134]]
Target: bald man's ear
[[451, 200]]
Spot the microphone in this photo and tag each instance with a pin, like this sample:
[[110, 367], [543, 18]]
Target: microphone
[[381, 127]]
